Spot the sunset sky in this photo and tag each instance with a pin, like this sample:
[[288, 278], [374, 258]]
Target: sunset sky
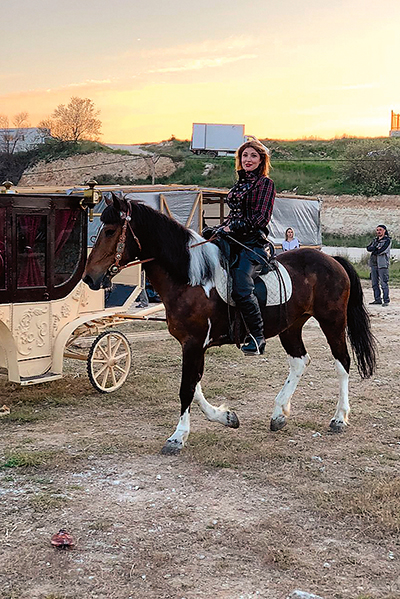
[[285, 69]]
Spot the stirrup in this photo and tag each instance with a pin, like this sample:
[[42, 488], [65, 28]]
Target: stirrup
[[254, 346]]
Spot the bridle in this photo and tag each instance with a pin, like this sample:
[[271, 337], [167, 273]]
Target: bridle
[[115, 267]]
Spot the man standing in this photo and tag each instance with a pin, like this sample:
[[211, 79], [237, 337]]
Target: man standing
[[379, 263]]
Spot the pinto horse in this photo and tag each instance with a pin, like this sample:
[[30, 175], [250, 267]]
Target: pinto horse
[[183, 270]]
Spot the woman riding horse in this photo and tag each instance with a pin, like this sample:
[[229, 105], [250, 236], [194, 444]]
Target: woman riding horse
[[250, 201], [185, 272]]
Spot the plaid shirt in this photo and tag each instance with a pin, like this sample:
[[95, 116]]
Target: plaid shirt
[[250, 201]]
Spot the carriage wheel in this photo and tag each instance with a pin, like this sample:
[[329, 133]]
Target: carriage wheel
[[109, 361]]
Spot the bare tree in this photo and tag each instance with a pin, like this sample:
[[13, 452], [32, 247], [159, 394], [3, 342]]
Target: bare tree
[[21, 120], [10, 136], [74, 121]]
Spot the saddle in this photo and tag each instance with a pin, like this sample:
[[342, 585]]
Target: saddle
[[273, 285], [263, 254]]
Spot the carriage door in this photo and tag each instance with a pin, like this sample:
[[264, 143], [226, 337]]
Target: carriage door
[[32, 309]]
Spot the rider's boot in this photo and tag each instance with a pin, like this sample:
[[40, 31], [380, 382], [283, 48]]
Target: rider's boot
[[255, 342]]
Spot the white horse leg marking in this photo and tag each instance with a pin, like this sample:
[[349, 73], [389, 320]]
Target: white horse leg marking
[[221, 414], [181, 433], [282, 401], [341, 416], [208, 338]]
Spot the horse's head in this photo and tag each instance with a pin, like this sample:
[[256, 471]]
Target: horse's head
[[109, 252]]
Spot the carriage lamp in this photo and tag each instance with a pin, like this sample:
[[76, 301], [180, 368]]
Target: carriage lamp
[[7, 187], [91, 197]]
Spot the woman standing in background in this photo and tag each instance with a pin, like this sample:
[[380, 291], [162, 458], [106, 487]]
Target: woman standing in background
[[291, 242]]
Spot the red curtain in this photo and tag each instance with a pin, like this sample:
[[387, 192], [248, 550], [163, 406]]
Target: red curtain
[[30, 274], [2, 247], [65, 220]]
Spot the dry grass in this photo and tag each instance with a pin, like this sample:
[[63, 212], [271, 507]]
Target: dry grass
[[375, 502], [46, 502]]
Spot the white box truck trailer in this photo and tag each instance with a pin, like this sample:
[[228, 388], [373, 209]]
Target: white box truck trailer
[[216, 140]]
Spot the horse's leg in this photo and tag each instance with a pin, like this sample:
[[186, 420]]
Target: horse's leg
[[335, 333], [299, 359], [176, 442], [192, 371], [214, 414]]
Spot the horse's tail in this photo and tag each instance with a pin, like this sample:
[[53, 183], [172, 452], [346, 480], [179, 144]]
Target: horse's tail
[[358, 324]]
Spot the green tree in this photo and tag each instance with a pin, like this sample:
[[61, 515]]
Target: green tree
[[75, 121]]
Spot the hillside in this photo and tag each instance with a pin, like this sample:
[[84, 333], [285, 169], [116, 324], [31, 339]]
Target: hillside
[[337, 166], [310, 166], [105, 168], [357, 216], [351, 205]]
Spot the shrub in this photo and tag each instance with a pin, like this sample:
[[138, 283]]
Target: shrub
[[374, 167]]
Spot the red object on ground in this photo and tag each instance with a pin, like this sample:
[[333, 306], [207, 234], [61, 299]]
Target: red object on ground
[[62, 539]]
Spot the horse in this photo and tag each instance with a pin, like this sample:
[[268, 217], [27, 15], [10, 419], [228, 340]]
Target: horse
[[183, 269]]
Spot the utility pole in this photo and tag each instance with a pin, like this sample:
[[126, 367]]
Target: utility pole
[[152, 161]]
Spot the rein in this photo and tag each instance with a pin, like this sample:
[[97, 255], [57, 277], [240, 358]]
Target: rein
[[115, 268]]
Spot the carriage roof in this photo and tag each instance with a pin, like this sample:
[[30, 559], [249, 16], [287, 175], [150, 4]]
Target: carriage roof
[[187, 203]]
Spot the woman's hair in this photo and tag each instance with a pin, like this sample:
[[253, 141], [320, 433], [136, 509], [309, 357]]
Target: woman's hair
[[286, 232], [265, 164]]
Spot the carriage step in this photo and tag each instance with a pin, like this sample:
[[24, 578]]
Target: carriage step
[[41, 378]]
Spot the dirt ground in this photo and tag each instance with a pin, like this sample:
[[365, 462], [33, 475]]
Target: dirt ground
[[240, 514]]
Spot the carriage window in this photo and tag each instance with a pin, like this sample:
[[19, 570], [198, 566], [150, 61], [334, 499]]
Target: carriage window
[[2, 248], [31, 240], [67, 244]]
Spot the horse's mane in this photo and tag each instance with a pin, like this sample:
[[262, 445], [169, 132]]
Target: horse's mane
[[166, 240]]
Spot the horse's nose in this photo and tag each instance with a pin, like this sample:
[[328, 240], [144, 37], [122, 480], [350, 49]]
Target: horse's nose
[[89, 281]]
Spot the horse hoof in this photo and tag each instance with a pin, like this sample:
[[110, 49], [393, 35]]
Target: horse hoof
[[277, 423], [171, 448], [337, 426], [232, 420]]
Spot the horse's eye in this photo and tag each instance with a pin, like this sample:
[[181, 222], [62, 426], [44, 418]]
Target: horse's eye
[[109, 232]]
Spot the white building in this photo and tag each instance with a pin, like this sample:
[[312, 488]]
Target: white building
[[20, 139]]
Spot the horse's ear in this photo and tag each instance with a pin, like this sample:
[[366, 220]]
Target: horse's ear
[[119, 201]]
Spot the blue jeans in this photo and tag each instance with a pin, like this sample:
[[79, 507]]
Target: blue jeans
[[380, 280]]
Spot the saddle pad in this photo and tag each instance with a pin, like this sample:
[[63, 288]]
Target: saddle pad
[[278, 286]]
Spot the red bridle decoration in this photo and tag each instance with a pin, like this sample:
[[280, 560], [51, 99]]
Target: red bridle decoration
[[115, 268]]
